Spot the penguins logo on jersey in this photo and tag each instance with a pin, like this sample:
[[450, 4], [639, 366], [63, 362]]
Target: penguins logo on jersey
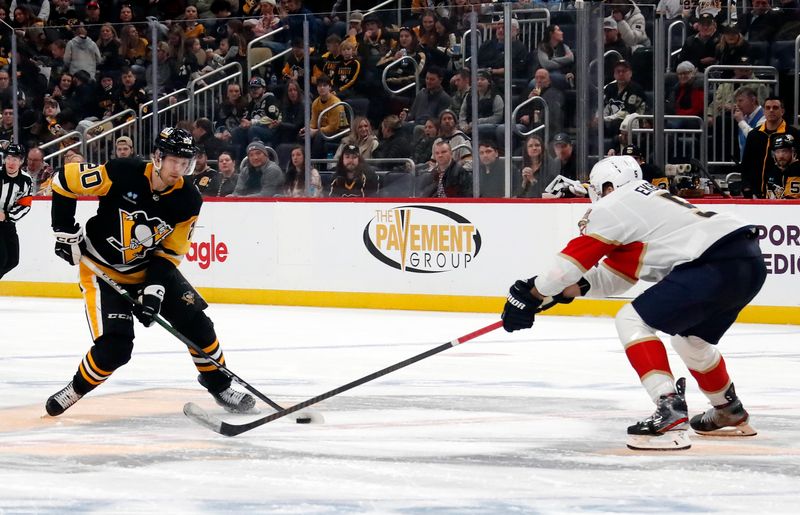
[[138, 234]]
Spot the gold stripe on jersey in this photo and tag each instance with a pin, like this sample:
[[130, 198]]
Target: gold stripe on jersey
[[91, 299], [205, 365], [93, 374], [82, 179], [177, 243], [121, 278]]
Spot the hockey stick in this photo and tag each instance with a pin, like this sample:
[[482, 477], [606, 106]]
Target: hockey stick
[[200, 416], [310, 416]]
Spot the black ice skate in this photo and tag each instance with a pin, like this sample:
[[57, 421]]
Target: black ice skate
[[60, 401], [729, 419], [232, 400], [665, 429]]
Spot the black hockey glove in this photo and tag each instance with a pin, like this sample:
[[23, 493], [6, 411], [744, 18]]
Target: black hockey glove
[[69, 244], [520, 306], [149, 304], [559, 298]]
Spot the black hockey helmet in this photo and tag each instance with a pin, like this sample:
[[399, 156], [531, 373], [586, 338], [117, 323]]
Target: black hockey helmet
[[15, 149], [175, 142], [783, 141]]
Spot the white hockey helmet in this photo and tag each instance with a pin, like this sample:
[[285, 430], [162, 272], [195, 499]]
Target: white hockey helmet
[[617, 170]]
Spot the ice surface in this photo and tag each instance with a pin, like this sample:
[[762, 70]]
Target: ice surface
[[530, 422]]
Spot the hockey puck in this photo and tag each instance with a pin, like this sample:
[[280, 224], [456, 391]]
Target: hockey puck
[[304, 420]]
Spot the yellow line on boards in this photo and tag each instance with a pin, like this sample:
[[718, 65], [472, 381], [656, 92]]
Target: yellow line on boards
[[401, 301]]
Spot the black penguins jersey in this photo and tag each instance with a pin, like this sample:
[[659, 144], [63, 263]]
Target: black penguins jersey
[[133, 223]]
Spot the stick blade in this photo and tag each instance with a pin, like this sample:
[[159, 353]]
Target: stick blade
[[201, 416]]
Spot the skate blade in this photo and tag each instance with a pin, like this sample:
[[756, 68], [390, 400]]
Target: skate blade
[[669, 441], [730, 431]]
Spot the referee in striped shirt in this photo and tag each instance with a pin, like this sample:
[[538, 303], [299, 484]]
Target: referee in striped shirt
[[15, 202]]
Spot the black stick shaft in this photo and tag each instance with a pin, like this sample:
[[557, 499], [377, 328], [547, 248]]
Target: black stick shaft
[[174, 332], [233, 430]]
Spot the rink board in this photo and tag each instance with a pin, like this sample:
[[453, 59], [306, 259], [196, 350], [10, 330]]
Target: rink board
[[394, 253]]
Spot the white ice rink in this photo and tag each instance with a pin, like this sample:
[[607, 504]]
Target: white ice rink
[[532, 422]]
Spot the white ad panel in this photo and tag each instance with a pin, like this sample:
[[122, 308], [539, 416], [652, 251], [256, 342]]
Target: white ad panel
[[474, 249]]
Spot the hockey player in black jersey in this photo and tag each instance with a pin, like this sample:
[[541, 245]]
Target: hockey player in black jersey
[[138, 237], [15, 202]]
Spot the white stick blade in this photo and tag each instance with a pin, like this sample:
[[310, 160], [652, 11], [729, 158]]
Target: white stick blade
[[200, 416]]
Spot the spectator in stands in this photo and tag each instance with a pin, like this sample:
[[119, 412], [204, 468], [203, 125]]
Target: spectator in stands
[[393, 145], [631, 23], [258, 176], [404, 73], [231, 110], [106, 94], [423, 146], [621, 98], [296, 177], [731, 47], [460, 85], [354, 26], [451, 134], [82, 102], [564, 162], [266, 23], [293, 68], [191, 27], [167, 74], [491, 54], [293, 17], [723, 101], [261, 118], [447, 178], [373, 44], [205, 178], [670, 9], [614, 42], [50, 111], [556, 57], [228, 175], [39, 8], [430, 100], [203, 134], [458, 15], [328, 62], [62, 16], [93, 19], [748, 115], [531, 116], [756, 167], [123, 148], [687, 97], [490, 109], [5, 86], [361, 136], [41, 173], [701, 49], [491, 170], [535, 174], [330, 123], [760, 22], [190, 60], [133, 48], [82, 53], [55, 60], [347, 73], [353, 178], [129, 96], [108, 45], [292, 113], [73, 156]]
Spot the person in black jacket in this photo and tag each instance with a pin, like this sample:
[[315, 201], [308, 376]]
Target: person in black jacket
[[353, 177], [393, 145], [757, 166]]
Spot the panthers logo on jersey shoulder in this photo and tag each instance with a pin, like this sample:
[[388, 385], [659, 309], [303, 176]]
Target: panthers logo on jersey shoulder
[[139, 235]]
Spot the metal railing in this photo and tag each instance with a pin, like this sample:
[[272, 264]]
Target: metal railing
[[719, 140], [207, 91], [54, 158], [685, 142], [99, 140], [171, 110], [545, 122], [250, 45], [679, 24], [394, 64], [342, 132]]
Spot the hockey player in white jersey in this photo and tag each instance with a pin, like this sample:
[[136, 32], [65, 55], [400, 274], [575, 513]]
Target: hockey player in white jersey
[[707, 266]]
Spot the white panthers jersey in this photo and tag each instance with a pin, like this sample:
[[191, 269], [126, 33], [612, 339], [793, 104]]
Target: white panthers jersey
[[636, 232]]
